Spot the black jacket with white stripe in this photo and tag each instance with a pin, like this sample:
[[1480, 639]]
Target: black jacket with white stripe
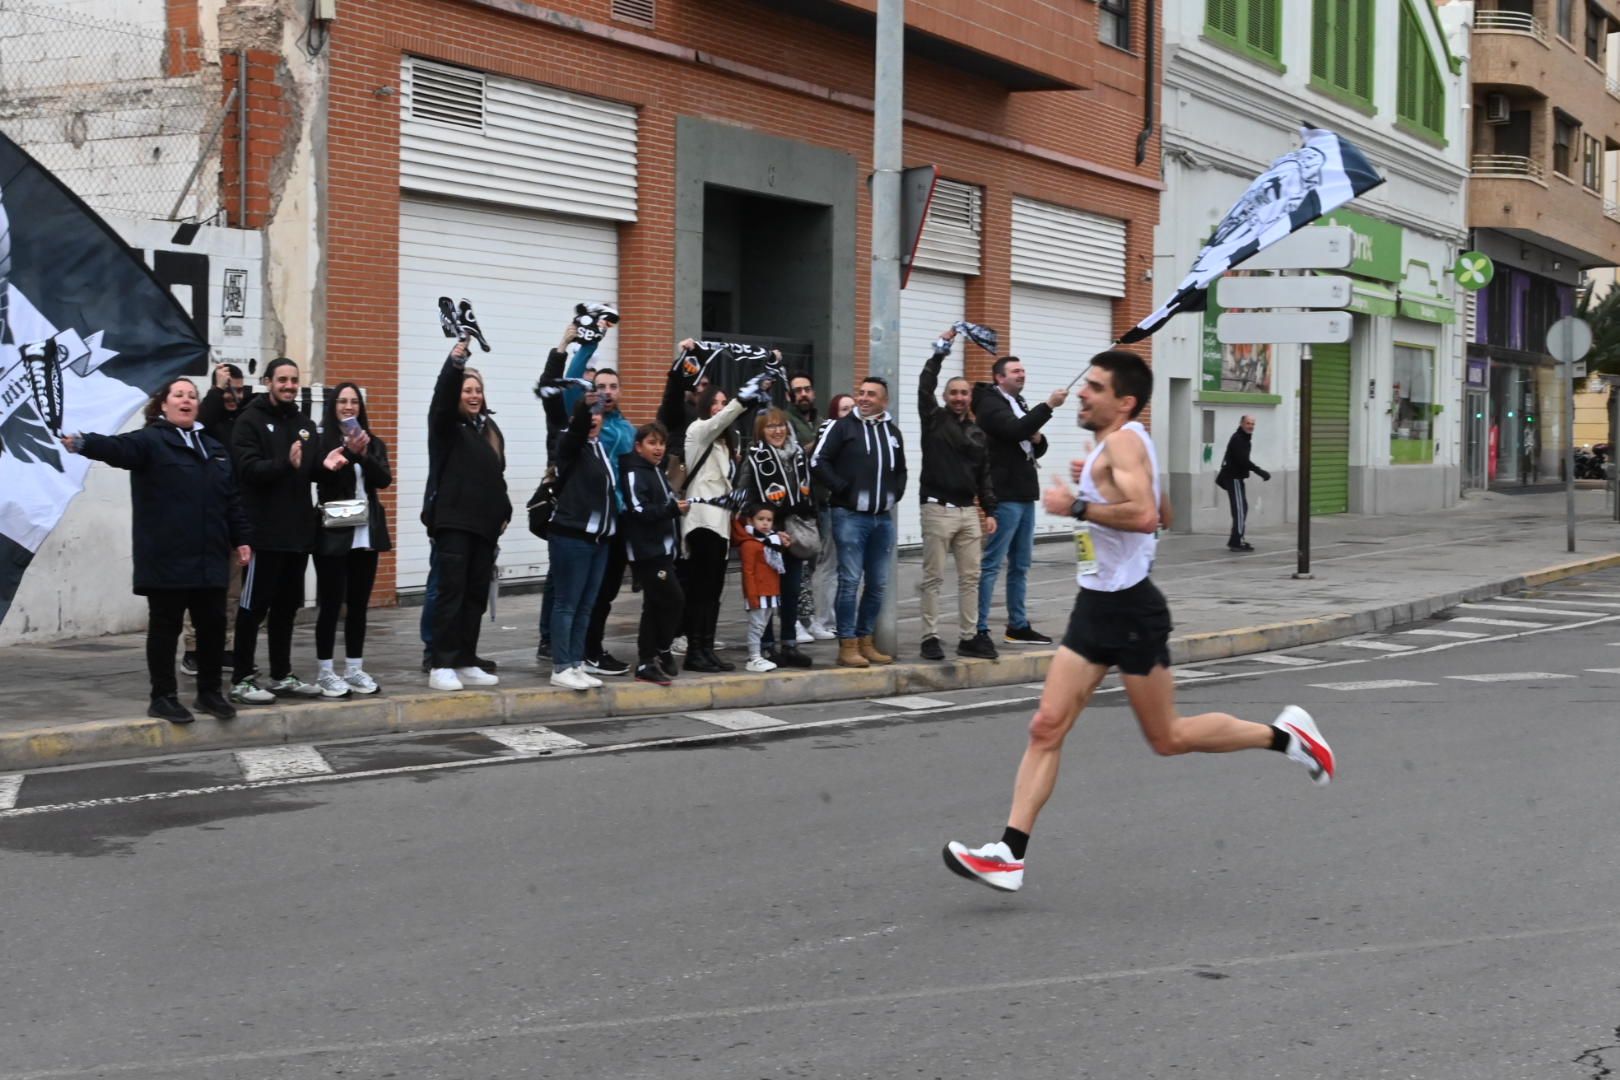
[[861, 462], [586, 478], [651, 519]]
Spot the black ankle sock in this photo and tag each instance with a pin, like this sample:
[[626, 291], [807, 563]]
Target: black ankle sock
[[1280, 740], [1017, 841]]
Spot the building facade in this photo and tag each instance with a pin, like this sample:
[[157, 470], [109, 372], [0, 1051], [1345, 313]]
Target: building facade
[[1241, 77], [700, 162]]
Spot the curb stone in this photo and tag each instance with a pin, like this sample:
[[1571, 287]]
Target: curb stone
[[118, 739]]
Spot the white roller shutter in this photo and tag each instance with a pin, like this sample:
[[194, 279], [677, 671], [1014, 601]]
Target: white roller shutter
[[1059, 248], [470, 135], [930, 303], [1055, 333], [523, 273]]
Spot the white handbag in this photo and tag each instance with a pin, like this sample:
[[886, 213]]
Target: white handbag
[[345, 513]]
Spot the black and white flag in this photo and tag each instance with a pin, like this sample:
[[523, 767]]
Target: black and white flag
[[1300, 187], [87, 334]]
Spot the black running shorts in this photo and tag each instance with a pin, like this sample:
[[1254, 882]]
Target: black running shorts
[[1129, 629]]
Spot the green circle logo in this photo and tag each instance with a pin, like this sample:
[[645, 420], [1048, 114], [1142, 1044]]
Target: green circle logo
[[1473, 270]]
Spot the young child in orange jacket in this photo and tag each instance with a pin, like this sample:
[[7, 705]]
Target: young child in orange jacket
[[761, 549]]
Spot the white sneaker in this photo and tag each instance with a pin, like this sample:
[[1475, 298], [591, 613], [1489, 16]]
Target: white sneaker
[[992, 864], [570, 679], [443, 678], [803, 635], [591, 681], [360, 682], [759, 664], [717, 644], [332, 685], [476, 676], [678, 646], [1305, 743], [819, 631]]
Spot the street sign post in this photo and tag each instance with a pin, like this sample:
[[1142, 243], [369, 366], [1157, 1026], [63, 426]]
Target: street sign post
[[1283, 327], [1329, 292], [1568, 340], [1325, 247]]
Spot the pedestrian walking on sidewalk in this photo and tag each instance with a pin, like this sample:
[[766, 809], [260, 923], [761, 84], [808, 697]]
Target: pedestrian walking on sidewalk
[[468, 513], [862, 461], [651, 524], [1235, 469], [957, 497], [1120, 619], [188, 530], [354, 470], [277, 457], [1016, 443]]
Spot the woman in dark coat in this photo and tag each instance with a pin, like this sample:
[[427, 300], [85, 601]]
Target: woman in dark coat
[[468, 511], [187, 525], [354, 466]]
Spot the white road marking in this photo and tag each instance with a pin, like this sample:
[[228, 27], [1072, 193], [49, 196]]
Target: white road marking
[[1371, 684], [1593, 670], [1448, 633], [1550, 600], [1573, 613], [280, 762], [1378, 646], [530, 741], [1195, 673], [1518, 624], [913, 702], [737, 719], [1572, 592], [9, 787], [1284, 660], [1510, 676]]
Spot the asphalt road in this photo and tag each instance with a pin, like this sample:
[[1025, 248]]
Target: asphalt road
[[775, 906]]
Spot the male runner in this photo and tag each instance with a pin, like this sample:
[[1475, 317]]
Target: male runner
[[1119, 619]]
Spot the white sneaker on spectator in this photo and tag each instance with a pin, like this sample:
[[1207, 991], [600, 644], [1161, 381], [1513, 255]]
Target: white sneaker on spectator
[[443, 678], [591, 681], [360, 682], [819, 631], [804, 636], [476, 676], [332, 685], [678, 646], [570, 678], [760, 664]]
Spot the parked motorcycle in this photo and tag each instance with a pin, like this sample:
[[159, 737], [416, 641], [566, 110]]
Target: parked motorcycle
[[1590, 461]]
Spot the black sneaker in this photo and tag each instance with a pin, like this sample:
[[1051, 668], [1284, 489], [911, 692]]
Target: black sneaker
[[168, 708], [978, 647], [606, 664], [488, 667], [652, 672], [1244, 546], [931, 649], [666, 660], [214, 704], [1025, 635], [543, 650], [427, 661], [790, 656], [188, 663]]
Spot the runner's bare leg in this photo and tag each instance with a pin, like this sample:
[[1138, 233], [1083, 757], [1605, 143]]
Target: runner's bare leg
[[1153, 699], [1070, 682]]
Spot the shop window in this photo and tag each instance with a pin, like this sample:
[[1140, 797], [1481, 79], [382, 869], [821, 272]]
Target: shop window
[[1342, 48], [1114, 23], [1565, 132], [1591, 163], [1412, 407], [1252, 26]]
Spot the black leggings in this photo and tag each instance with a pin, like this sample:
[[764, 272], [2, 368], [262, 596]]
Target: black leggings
[[274, 586], [165, 609], [662, 604], [706, 554], [339, 580]]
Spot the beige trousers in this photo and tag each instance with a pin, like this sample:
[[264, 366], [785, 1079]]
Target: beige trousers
[[953, 530]]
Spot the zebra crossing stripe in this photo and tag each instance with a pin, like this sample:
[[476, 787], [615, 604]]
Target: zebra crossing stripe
[[9, 787], [912, 702], [1518, 624], [1573, 613], [1510, 676], [1284, 661], [1593, 670], [1370, 684], [737, 719], [530, 741], [277, 762], [1466, 634], [1378, 646]]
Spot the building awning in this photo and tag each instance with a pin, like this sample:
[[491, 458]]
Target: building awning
[[1435, 309], [1367, 298]]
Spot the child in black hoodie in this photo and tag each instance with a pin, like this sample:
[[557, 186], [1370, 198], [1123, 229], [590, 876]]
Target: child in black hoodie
[[652, 539]]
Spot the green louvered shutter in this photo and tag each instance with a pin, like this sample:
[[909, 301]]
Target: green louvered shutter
[[1321, 38], [1221, 16], [1361, 49], [1330, 429], [1261, 33]]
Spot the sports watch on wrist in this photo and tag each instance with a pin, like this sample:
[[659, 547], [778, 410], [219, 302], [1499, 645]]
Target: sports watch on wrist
[[1078, 510]]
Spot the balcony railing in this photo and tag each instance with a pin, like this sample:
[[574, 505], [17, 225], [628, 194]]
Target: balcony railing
[[1611, 210], [1510, 165], [1612, 85], [1511, 22]]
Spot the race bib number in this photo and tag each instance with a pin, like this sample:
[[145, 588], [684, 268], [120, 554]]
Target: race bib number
[[1085, 549]]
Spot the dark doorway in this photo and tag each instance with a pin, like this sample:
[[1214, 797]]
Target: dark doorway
[[1512, 139]]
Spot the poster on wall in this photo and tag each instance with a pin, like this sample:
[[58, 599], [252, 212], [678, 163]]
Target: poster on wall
[[1241, 369]]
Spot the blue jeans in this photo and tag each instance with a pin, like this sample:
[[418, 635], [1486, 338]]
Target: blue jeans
[[430, 596], [1014, 540], [576, 568], [864, 542]]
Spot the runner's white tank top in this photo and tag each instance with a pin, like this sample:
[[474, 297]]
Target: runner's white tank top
[[1123, 558]]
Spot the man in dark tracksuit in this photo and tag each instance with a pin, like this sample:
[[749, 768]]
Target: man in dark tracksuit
[[1235, 469], [862, 461], [956, 497], [277, 453]]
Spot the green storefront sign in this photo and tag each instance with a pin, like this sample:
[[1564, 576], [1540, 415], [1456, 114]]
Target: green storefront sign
[[1377, 245]]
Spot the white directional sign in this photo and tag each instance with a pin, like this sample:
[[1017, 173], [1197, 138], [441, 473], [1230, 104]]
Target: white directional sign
[[1283, 327], [1324, 247], [1283, 292]]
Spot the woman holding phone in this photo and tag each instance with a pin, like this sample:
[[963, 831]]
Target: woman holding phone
[[354, 468]]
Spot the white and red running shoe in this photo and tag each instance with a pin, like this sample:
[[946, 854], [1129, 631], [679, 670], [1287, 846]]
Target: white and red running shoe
[[1305, 743], [992, 864]]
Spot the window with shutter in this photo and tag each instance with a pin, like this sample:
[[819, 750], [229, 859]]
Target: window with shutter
[[1260, 33], [1221, 18], [1250, 26], [1342, 49], [1420, 92]]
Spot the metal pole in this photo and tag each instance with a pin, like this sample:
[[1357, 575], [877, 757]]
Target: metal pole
[[884, 357], [1304, 570], [1569, 446], [241, 138]]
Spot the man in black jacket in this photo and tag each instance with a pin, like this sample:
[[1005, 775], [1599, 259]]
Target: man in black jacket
[[956, 497], [861, 460], [277, 455], [1016, 443], [1235, 469], [217, 413]]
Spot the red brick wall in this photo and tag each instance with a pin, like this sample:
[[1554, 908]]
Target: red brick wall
[[269, 129], [668, 80], [182, 24]]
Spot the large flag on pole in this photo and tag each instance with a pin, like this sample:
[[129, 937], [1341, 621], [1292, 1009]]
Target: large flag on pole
[[1300, 187], [87, 334]]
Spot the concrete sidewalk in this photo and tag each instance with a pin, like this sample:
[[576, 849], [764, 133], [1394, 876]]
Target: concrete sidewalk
[[80, 701]]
